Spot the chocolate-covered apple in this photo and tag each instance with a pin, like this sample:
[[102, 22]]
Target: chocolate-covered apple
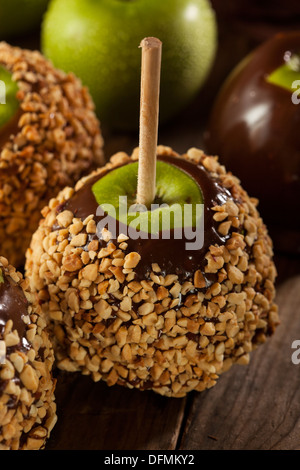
[[49, 137], [142, 308], [27, 400], [254, 128]]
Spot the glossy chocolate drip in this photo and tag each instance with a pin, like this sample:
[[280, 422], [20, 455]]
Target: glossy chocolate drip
[[13, 306], [170, 254]]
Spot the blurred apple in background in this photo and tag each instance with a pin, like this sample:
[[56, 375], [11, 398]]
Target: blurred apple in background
[[254, 128], [18, 17], [98, 41]]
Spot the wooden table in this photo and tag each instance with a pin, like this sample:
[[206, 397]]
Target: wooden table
[[251, 407]]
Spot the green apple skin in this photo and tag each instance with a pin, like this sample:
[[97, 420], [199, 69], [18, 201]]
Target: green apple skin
[[174, 189], [99, 42], [9, 102], [18, 17]]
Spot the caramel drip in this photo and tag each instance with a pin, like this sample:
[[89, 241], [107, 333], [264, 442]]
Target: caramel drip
[[170, 254], [13, 306]]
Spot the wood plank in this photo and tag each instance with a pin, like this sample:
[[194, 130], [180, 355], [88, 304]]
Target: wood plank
[[256, 407], [93, 416]]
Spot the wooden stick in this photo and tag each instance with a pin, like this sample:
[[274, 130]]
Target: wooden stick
[[149, 111]]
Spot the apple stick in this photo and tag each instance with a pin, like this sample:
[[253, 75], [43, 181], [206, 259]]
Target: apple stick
[[149, 111]]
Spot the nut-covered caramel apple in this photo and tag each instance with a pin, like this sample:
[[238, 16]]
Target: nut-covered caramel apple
[[49, 137], [147, 313], [27, 401]]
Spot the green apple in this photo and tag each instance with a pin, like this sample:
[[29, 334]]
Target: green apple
[[98, 41], [20, 16], [8, 99], [174, 190]]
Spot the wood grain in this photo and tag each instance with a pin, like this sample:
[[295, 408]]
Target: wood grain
[[93, 416], [149, 112]]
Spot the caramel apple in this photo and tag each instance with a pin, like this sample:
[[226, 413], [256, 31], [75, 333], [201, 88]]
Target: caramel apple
[[27, 401], [254, 128], [49, 137]]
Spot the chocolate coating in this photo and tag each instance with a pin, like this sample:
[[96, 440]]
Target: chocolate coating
[[170, 254], [254, 128], [13, 306]]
